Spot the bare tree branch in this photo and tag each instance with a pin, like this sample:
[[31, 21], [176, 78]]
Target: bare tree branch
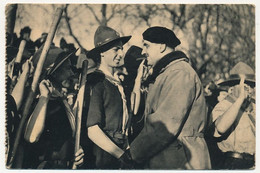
[[69, 27], [93, 12]]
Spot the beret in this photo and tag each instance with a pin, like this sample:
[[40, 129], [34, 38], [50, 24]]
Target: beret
[[162, 35]]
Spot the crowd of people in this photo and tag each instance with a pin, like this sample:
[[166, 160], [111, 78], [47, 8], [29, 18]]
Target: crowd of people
[[144, 108]]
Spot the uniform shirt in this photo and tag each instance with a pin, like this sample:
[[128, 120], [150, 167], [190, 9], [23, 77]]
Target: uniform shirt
[[56, 133], [106, 106], [242, 137]]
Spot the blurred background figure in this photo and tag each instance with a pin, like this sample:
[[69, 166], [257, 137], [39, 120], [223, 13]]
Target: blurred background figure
[[25, 34], [40, 41], [234, 119], [133, 58]]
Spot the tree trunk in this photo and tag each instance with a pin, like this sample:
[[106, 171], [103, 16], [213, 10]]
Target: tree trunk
[[10, 14]]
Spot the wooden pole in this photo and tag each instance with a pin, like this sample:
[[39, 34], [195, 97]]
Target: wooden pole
[[80, 103], [36, 77]]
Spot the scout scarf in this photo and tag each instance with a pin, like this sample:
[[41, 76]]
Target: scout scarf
[[162, 63], [116, 81], [70, 115]]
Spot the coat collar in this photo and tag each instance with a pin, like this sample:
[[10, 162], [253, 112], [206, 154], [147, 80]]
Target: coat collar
[[162, 63]]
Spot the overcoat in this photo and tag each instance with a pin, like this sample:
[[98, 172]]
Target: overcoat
[[175, 120]]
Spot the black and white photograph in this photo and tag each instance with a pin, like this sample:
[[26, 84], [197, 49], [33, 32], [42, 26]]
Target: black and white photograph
[[130, 86]]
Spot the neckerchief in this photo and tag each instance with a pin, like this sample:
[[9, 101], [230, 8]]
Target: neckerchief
[[70, 115], [116, 81], [162, 63]]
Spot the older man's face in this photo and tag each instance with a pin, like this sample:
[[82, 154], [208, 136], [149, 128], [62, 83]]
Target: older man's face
[[152, 52]]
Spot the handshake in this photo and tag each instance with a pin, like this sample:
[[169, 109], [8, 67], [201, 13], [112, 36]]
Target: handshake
[[126, 160]]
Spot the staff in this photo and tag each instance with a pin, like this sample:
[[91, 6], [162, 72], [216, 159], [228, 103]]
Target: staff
[[79, 103], [35, 81], [18, 59]]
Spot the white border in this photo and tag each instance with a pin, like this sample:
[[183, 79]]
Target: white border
[[2, 65]]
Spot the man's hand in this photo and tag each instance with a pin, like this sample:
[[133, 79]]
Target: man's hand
[[10, 67], [46, 88], [243, 89], [126, 160], [141, 70], [28, 67], [79, 157]]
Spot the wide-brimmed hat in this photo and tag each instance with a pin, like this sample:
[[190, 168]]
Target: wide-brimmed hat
[[55, 58], [235, 73], [104, 38]]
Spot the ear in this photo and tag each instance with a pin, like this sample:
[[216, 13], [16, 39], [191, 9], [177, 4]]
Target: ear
[[162, 48]]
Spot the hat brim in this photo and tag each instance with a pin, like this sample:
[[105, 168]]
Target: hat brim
[[233, 82], [97, 50], [58, 64]]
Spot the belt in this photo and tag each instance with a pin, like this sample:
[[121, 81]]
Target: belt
[[52, 164], [237, 155], [63, 163], [117, 135]]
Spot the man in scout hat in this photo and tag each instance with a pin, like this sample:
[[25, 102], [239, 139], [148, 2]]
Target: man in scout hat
[[175, 109], [234, 119], [51, 126], [107, 117]]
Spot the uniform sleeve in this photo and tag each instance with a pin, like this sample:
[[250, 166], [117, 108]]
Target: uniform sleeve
[[164, 125], [218, 111], [96, 110]]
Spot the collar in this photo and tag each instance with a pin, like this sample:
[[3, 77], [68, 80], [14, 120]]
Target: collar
[[108, 75], [162, 63]]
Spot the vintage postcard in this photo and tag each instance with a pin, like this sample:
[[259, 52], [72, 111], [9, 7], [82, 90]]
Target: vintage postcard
[[136, 86]]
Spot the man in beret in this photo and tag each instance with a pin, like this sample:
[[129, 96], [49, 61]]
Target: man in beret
[[107, 116], [175, 109], [234, 119]]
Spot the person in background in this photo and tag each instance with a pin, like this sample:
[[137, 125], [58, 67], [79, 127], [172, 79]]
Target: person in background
[[175, 109], [133, 59], [14, 100], [51, 126], [40, 41], [29, 50], [234, 119], [107, 117]]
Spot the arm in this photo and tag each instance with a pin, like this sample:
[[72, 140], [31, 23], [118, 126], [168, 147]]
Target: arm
[[35, 125], [103, 141], [136, 93], [18, 90], [226, 120], [94, 120], [163, 126]]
